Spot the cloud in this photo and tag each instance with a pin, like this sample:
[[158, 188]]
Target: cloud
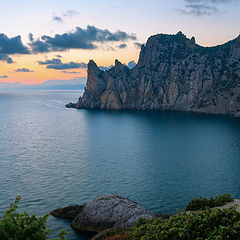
[[57, 64], [5, 58], [58, 19], [131, 64], [138, 45], [203, 7], [68, 14], [58, 56], [78, 39], [23, 70], [70, 65], [30, 37], [4, 76], [199, 10], [12, 45], [122, 46], [53, 61], [70, 72]]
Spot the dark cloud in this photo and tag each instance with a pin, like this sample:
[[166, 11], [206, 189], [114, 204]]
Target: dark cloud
[[57, 64], [5, 58], [68, 14], [70, 72], [78, 39], [70, 65], [53, 61], [30, 37], [122, 46], [23, 70], [137, 44], [4, 76], [199, 10], [203, 7], [58, 56], [12, 45], [58, 19]]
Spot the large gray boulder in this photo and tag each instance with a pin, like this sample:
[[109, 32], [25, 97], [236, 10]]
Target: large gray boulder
[[109, 211]]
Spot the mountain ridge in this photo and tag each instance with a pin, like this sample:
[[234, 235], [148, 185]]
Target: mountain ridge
[[172, 73]]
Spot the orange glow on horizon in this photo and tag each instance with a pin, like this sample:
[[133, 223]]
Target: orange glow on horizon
[[40, 73]]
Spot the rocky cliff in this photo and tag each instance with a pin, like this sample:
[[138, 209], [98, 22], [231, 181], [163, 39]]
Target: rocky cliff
[[173, 73]]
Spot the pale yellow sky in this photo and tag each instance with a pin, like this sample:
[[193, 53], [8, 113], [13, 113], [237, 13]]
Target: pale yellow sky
[[211, 22]]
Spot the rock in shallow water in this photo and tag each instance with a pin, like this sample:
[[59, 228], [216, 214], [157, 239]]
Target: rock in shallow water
[[109, 211], [68, 212], [104, 213]]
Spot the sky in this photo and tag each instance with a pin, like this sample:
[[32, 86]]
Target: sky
[[55, 39]]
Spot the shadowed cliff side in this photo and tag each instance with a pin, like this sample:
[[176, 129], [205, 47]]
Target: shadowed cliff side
[[173, 73]]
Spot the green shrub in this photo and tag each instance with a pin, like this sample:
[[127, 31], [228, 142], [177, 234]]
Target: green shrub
[[203, 203], [202, 225], [21, 226]]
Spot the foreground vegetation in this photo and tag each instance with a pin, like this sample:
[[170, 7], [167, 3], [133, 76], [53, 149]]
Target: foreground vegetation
[[203, 203], [204, 224], [21, 226], [200, 225]]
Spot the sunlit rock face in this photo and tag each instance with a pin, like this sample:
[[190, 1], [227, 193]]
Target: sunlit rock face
[[173, 73]]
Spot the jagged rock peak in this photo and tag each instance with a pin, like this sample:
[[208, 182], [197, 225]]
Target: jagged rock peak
[[118, 64], [92, 65], [193, 40], [180, 34]]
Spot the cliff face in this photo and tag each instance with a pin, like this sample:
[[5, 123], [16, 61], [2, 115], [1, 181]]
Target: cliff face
[[173, 73]]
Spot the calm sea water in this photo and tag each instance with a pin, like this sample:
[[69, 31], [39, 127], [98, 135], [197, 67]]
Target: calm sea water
[[53, 156]]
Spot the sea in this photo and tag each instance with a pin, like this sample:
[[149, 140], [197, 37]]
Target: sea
[[53, 156]]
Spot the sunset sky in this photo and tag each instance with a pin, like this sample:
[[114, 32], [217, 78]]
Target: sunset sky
[[55, 39]]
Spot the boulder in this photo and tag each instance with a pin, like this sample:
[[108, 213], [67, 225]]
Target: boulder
[[71, 105], [108, 212]]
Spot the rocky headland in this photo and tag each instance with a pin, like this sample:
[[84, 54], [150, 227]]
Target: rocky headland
[[172, 73]]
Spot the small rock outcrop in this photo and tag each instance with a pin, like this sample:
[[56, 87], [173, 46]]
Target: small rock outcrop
[[172, 73], [68, 212], [112, 211]]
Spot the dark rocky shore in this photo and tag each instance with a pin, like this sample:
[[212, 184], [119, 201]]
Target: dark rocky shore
[[173, 73]]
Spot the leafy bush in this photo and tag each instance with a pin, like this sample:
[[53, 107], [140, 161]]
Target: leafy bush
[[203, 203], [21, 226], [207, 224], [202, 225]]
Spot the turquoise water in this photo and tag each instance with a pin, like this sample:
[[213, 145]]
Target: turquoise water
[[53, 156]]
